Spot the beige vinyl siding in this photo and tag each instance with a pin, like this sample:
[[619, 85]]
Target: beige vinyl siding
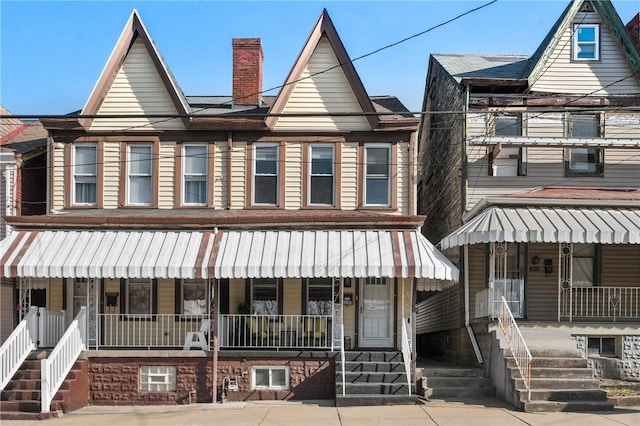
[[54, 294], [548, 125], [349, 181], [291, 172], [545, 167], [621, 265], [236, 294], [403, 308], [349, 317], [166, 296], [403, 186], [238, 174], [622, 125], [561, 75], [137, 89], [477, 125], [7, 310], [439, 312], [328, 91], [58, 176], [111, 181], [541, 290], [292, 297], [477, 275], [166, 178], [219, 180]]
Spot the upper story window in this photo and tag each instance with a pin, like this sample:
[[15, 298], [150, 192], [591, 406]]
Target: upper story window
[[508, 125], [266, 170], [321, 181], [85, 174], [584, 161], [139, 174], [586, 42], [377, 172], [194, 174]]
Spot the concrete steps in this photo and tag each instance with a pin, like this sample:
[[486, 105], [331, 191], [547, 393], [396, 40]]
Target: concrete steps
[[21, 398], [456, 383], [373, 378]]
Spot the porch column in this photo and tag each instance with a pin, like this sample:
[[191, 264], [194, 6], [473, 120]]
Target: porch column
[[337, 314]]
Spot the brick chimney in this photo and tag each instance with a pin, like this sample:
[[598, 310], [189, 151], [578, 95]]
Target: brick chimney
[[247, 71], [633, 28]]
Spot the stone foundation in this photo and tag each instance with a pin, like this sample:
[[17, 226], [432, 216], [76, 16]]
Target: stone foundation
[[627, 367], [116, 381]]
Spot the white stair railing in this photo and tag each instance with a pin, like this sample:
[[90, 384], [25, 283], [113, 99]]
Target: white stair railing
[[56, 367], [18, 346], [516, 343], [51, 325], [406, 351]]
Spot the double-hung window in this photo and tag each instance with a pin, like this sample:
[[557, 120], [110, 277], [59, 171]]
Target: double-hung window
[[266, 174], [321, 175], [140, 174], [264, 296], [377, 165], [194, 175], [508, 161], [85, 174], [319, 296], [586, 42], [584, 161]]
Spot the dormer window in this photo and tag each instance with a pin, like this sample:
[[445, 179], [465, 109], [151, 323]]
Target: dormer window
[[586, 42]]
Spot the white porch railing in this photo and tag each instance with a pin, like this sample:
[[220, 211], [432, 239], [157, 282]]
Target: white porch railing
[[488, 300], [18, 346], [56, 367], [516, 343], [147, 330], [275, 331], [51, 327], [406, 350], [600, 302]]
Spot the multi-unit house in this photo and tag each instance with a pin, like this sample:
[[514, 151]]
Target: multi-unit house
[[228, 247], [530, 181]]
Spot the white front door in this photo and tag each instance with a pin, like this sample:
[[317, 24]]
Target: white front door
[[376, 313], [85, 292]]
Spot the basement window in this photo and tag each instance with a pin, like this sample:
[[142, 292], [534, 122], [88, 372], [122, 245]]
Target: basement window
[[157, 378], [602, 346], [270, 377]]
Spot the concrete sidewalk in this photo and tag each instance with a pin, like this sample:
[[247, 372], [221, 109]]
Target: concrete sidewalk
[[489, 412]]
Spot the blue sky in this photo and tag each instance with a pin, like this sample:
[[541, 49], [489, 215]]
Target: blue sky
[[52, 52]]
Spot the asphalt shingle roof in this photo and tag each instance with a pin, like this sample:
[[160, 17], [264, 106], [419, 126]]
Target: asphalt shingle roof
[[483, 66]]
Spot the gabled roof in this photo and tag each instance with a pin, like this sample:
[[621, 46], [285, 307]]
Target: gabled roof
[[324, 27], [483, 66], [9, 127], [609, 16], [133, 30]]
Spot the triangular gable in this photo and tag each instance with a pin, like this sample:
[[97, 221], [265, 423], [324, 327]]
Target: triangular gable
[[135, 38], [323, 41], [554, 49]]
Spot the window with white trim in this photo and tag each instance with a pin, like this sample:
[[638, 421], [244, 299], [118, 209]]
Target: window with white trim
[[321, 174], [265, 174], [194, 297], [85, 174], [377, 171], [157, 378], [139, 296], [270, 377], [586, 42], [139, 174], [584, 161], [194, 174]]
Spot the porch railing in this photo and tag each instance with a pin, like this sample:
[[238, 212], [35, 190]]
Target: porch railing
[[18, 346], [275, 331], [58, 364], [51, 327], [516, 343], [600, 302], [406, 350], [147, 330], [488, 300]]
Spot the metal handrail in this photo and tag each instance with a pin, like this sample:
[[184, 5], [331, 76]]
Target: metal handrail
[[518, 346]]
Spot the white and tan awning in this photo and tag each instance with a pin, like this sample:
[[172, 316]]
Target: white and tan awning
[[106, 254], [549, 225], [330, 253]]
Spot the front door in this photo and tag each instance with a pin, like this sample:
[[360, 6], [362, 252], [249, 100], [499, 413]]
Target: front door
[[376, 313], [84, 292]]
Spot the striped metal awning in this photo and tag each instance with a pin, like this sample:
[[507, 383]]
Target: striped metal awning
[[549, 225], [106, 254], [329, 253]]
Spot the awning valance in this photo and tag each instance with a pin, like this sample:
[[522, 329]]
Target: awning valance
[[549, 225], [106, 254], [330, 253]]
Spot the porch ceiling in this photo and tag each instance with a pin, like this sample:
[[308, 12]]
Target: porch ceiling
[[549, 225], [330, 253]]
